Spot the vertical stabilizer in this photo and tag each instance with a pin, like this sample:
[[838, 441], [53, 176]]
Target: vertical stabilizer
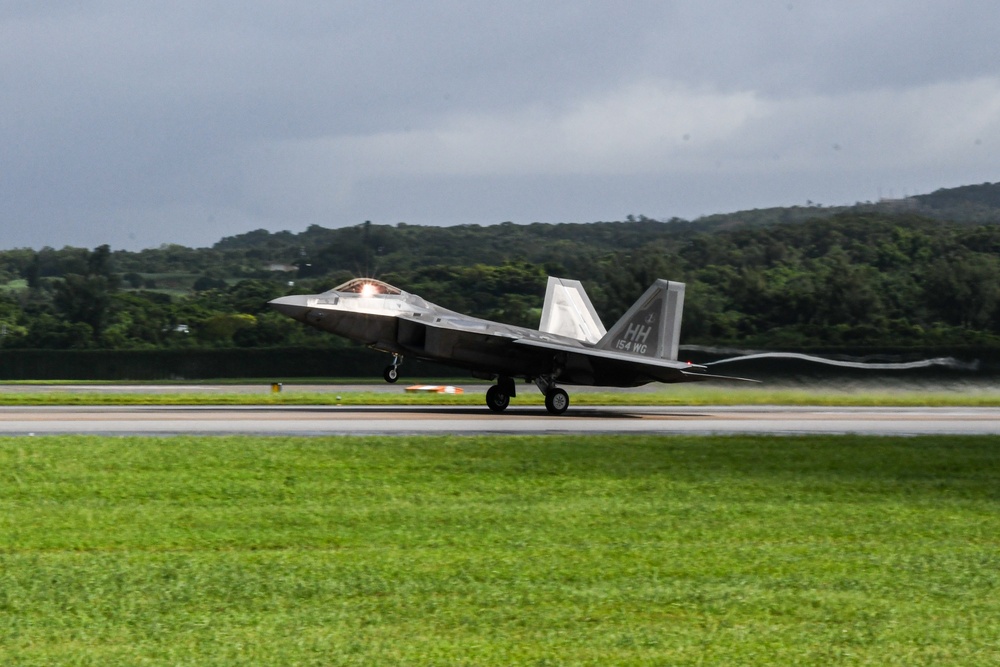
[[652, 326], [568, 312]]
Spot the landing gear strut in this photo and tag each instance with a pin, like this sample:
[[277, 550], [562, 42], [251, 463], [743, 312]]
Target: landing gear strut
[[391, 373]]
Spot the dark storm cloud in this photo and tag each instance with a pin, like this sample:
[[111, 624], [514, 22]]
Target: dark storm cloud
[[137, 124]]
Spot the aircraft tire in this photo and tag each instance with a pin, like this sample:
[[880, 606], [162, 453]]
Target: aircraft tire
[[556, 401], [497, 399], [391, 374]]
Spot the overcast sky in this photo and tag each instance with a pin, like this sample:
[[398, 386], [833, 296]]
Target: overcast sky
[[143, 123]]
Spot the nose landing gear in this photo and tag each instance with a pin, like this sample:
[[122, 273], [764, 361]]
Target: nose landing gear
[[391, 373]]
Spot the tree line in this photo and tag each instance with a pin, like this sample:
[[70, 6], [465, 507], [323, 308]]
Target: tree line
[[854, 278]]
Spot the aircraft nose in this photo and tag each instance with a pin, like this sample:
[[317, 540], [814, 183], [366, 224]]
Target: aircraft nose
[[292, 306]]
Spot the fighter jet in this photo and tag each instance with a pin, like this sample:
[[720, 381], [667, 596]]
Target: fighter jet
[[571, 345]]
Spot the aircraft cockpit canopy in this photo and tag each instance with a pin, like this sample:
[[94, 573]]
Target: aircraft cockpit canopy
[[367, 287]]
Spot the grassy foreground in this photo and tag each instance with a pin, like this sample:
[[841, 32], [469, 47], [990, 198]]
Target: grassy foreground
[[479, 551]]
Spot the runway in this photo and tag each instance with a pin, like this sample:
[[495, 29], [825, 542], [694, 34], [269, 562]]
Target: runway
[[343, 420]]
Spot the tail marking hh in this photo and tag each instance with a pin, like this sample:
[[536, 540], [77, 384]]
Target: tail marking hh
[[652, 326]]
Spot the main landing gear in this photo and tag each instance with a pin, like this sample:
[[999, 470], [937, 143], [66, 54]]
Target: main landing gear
[[556, 399], [498, 396], [391, 372]]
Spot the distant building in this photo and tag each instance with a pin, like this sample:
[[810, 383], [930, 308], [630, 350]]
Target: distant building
[[901, 204]]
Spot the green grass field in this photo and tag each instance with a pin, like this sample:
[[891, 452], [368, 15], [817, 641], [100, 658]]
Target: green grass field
[[487, 551]]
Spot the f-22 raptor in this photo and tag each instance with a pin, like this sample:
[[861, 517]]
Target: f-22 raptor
[[570, 346]]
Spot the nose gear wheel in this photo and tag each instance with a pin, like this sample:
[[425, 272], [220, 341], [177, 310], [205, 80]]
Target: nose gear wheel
[[391, 373]]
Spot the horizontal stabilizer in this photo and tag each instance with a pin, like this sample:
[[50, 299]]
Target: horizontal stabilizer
[[709, 376]]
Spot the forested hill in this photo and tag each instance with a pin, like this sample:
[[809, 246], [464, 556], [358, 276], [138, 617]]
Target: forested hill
[[968, 204], [371, 248], [368, 247], [859, 277]]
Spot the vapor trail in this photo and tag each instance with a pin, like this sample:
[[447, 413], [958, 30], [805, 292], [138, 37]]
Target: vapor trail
[[947, 362]]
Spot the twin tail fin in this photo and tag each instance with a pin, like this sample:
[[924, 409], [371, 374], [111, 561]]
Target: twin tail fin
[[567, 311], [651, 327]]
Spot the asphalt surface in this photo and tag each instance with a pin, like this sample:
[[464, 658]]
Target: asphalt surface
[[350, 420]]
